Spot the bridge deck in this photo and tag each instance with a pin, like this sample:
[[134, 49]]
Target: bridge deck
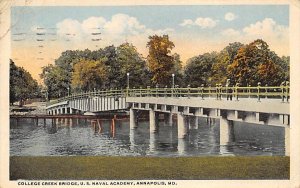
[[243, 104]]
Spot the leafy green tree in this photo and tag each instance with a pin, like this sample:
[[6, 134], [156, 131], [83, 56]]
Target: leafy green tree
[[22, 85], [198, 69], [89, 75], [133, 63], [160, 61], [56, 81], [177, 70]]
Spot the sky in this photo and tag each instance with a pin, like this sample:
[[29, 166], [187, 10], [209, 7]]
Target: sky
[[40, 34]]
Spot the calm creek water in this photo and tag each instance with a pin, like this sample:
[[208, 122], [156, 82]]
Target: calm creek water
[[78, 137]]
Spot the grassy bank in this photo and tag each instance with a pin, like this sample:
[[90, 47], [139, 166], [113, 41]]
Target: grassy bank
[[99, 167]]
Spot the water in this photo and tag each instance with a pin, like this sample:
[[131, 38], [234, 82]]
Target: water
[[78, 137]]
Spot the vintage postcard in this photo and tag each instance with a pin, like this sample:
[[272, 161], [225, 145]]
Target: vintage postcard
[[149, 94]]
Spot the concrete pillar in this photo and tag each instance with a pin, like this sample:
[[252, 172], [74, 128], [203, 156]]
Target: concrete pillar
[[152, 142], [226, 131], [257, 117], [236, 114], [132, 139], [71, 111], [153, 120], [132, 114], [181, 146], [66, 110], [284, 119], [182, 126], [287, 140]]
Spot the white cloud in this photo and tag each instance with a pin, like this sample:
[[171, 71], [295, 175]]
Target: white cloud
[[118, 29], [92, 24], [187, 22], [266, 28], [122, 23], [201, 22], [229, 16], [230, 32], [206, 22], [70, 29]]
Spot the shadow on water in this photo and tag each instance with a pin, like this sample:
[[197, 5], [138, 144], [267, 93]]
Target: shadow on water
[[113, 137]]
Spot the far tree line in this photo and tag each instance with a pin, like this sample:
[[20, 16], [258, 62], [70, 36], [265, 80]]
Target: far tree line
[[105, 68]]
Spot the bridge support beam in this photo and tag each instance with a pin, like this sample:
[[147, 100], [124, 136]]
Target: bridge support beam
[[287, 140], [132, 114], [153, 120], [226, 131], [182, 126]]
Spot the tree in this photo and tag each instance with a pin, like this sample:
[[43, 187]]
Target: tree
[[256, 63], [56, 81], [177, 69], [89, 75], [133, 63], [22, 85], [224, 59], [198, 69], [160, 61]]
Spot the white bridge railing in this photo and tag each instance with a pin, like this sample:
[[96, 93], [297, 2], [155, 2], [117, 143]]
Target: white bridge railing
[[267, 92]]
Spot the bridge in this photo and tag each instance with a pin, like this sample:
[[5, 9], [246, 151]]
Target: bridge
[[263, 105]]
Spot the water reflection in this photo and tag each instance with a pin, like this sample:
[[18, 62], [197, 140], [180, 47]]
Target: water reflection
[[182, 147], [67, 136]]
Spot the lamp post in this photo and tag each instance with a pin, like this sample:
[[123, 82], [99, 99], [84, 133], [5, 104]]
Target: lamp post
[[46, 95], [173, 80], [68, 91], [127, 90], [128, 80]]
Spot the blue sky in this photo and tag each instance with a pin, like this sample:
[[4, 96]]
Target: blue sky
[[152, 16], [193, 29]]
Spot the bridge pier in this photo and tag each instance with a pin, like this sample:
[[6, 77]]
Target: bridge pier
[[182, 126], [152, 142], [153, 120], [132, 139], [226, 131], [132, 116]]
